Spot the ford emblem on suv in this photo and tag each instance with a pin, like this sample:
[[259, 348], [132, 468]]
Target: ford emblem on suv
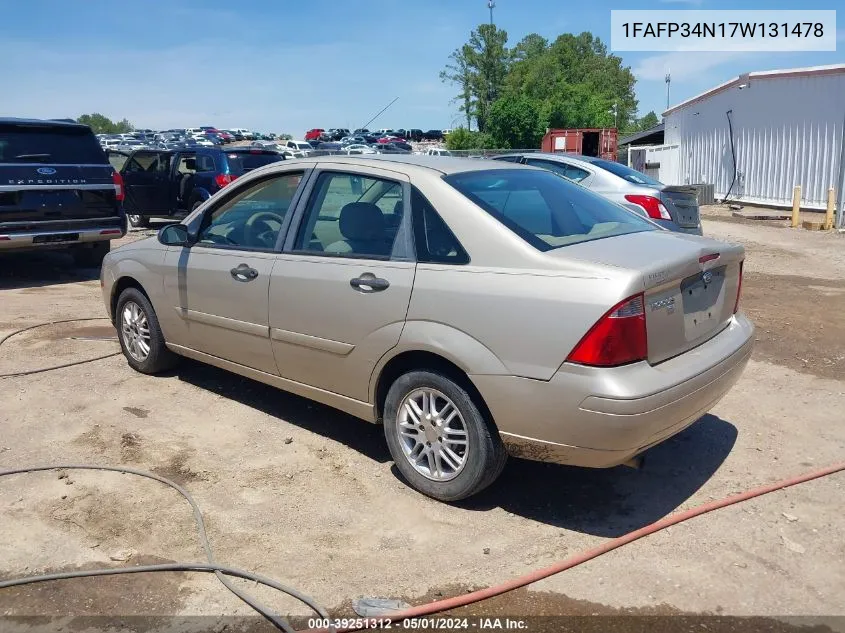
[[46, 171]]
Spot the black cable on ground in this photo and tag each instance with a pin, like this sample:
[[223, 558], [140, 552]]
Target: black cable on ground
[[62, 366], [221, 571]]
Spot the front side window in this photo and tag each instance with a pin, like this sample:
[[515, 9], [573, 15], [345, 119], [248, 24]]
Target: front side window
[[253, 218], [545, 210], [352, 215]]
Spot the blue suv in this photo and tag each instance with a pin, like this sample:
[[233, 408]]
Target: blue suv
[[172, 183]]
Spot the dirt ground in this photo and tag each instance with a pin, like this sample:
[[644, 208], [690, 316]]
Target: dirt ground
[[308, 496]]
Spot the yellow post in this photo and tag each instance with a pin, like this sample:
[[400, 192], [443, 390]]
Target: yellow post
[[828, 216], [796, 206]]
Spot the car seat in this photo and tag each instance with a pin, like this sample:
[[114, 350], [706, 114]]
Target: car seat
[[363, 228]]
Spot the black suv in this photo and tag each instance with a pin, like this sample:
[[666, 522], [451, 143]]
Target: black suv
[[170, 183], [57, 190]]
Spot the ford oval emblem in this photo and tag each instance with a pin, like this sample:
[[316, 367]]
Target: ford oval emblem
[[707, 277], [46, 171]]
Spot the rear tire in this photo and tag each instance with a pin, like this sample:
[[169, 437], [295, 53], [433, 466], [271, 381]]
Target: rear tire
[[139, 333], [90, 256], [460, 470], [138, 221]]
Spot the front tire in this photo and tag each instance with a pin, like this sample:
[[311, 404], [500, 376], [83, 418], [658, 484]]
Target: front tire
[[439, 439], [140, 335]]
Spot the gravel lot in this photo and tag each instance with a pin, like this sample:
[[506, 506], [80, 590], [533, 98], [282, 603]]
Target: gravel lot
[[308, 496]]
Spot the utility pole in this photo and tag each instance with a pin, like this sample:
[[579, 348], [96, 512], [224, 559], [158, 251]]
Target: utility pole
[[668, 83], [491, 5]]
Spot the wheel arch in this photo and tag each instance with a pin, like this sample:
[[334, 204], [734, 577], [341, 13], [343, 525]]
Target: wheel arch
[[421, 360], [124, 282]]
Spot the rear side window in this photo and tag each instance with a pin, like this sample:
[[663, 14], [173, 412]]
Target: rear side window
[[545, 210], [242, 162], [54, 145], [631, 175], [564, 169], [435, 242]]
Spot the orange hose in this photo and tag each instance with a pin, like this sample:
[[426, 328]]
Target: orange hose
[[568, 563]]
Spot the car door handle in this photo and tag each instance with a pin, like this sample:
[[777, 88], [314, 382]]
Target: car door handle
[[244, 273], [368, 282]]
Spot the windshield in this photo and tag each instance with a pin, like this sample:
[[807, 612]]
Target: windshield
[[631, 175], [242, 162], [50, 144], [544, 209]]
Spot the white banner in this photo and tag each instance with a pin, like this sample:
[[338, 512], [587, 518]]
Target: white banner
[[707, 31]]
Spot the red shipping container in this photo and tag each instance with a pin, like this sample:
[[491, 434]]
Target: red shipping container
[[600, 142]]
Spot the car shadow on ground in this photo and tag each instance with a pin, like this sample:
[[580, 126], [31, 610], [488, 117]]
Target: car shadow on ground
[[613, 501], [602, 502], [361, 436], [43, 268]]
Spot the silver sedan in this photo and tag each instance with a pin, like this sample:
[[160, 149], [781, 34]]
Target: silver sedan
[[672, 207], [475, 308]]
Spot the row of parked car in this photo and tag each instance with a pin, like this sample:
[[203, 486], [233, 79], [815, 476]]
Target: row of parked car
[[205, 136], [336, 134]]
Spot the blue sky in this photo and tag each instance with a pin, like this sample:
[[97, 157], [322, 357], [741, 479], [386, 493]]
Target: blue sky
[[288, 65]]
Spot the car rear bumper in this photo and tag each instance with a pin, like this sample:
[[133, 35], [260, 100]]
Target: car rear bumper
[[58, 239], [601, 417]]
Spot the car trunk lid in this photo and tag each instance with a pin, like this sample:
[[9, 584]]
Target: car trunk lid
[[689, 283], [682, 203]]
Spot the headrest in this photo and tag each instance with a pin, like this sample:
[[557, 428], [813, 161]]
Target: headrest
[[191, 163], [361, 221]]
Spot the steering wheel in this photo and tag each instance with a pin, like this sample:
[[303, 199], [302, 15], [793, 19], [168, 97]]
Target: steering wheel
[[258, 231]]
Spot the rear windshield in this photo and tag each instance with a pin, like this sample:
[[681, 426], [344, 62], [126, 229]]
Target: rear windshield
[[242, 162], [544, 209], [49, 144], [631, 175]]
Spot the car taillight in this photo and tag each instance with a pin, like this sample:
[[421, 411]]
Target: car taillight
[[738, 289], [618, 338], [653, 207], [223, 179], [117, 179]]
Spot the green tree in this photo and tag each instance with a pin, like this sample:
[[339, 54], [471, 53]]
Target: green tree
[[514, 94], [457, 71], [648, 121], [479, 68], [463, 139], [101, 124], [514, 122], [575, 80]]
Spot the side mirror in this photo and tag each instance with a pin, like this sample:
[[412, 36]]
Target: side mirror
[[174, 235]]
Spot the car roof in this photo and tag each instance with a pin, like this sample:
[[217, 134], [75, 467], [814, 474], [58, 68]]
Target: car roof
[[41, 122], [577, 158], [444, 164]]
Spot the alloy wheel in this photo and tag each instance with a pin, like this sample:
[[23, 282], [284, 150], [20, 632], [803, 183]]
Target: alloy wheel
[[135, 330], [432, 434]]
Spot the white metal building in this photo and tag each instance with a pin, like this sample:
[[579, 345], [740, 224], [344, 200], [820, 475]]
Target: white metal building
[[786, 127]]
